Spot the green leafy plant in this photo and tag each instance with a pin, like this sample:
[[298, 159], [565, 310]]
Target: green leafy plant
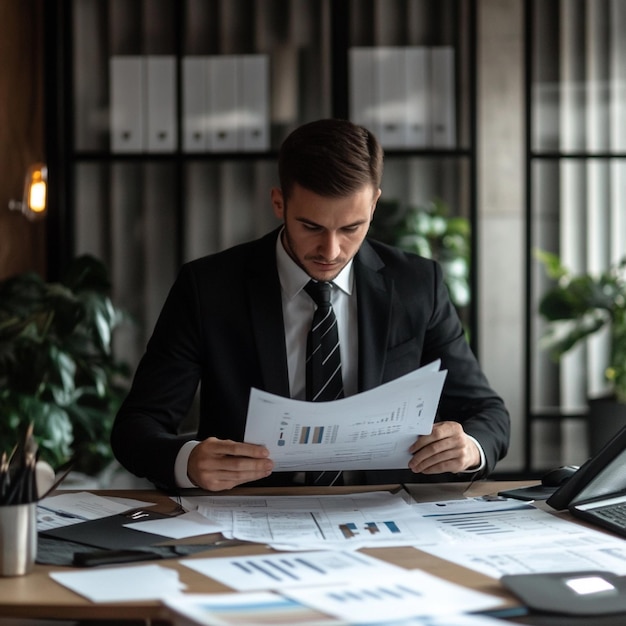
[[430, 231], [579, 305], [57, 368]]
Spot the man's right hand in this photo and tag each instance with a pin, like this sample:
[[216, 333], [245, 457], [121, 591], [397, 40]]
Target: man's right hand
[[220, 464]]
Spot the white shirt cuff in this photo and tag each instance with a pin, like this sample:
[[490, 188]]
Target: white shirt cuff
[[483, 462], [180, 466]]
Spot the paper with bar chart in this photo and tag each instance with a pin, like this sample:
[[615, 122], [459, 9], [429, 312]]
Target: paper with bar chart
[[344, 521], [371, 430], [278, 571]]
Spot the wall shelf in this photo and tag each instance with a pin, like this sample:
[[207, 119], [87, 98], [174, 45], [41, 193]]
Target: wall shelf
[[144, 213]]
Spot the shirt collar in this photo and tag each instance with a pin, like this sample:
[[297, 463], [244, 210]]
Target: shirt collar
[[293, 278]]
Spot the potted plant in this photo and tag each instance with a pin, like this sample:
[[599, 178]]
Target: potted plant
[[577, 306], [430, 231], [57, 368]]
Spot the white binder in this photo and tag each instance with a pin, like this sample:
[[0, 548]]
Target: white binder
[[443, 102], [417, 93], [161, 133], [195, 103], [390, 77], [223, 114], [127, 103], [253, 102], [362, 100]]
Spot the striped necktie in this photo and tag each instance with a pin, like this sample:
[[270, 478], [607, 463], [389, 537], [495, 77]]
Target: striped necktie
[[323, 358], [323, 364]]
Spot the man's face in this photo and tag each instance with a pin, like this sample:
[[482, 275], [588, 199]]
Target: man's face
[[322, 234]]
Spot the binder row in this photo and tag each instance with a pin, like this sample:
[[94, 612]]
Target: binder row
[[225, 101], [405, 95]]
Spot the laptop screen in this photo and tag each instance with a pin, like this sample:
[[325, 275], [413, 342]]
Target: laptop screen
[[603, 475], [611, 480]]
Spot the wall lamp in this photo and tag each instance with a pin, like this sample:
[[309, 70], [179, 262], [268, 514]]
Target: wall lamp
[[34, 204]]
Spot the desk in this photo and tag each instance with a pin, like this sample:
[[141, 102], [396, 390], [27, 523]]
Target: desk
[[38, 596]]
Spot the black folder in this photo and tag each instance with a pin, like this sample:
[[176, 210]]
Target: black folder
[[109, 532]]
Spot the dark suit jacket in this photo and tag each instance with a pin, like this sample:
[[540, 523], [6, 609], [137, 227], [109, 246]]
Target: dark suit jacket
[[222, 326]]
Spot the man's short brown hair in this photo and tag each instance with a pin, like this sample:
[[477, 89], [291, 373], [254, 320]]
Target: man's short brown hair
[[330, 157]]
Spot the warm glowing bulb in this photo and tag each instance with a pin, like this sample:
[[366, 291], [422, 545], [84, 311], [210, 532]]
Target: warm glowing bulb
[[36, 191], [34, 203], [37, 194]]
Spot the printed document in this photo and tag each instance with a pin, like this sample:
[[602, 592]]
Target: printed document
[[278, 571], [526, 540], [351, 586], [73, 508], [260, 608], [344, 522], [391, 596], [370, 430], [122, 584]]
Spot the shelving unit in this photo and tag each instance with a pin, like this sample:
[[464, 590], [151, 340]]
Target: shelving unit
[[576, 191], [144, 213]]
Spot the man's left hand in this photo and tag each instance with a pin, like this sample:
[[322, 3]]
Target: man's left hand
[[446, 449]]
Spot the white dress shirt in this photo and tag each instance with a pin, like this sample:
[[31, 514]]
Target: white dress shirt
[[298, 309]]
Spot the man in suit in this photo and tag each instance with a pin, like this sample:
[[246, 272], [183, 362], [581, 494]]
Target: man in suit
[[239, 319]]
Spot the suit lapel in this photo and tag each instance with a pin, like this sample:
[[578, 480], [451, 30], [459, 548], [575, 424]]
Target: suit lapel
[[267, 316], [374, 307]]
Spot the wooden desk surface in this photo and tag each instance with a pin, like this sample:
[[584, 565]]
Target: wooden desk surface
[[36, 595]]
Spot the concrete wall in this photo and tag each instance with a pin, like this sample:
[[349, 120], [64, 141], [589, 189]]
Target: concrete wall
[[501, 207]]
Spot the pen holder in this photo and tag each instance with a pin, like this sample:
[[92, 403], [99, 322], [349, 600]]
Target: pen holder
[[18, 538]]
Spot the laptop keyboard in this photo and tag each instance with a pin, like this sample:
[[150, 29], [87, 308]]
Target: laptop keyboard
[[614, 513]]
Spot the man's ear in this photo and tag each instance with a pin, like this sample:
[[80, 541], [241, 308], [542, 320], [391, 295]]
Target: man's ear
[[376, 197], [278, 202]]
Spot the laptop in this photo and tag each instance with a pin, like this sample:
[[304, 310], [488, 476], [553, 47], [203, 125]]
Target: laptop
[[596, 492]]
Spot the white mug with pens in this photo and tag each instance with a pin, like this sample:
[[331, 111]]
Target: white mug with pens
[[22, 479]]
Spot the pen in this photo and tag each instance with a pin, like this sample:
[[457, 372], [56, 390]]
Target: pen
[[4, 476], [17, 472], [69, 515]]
